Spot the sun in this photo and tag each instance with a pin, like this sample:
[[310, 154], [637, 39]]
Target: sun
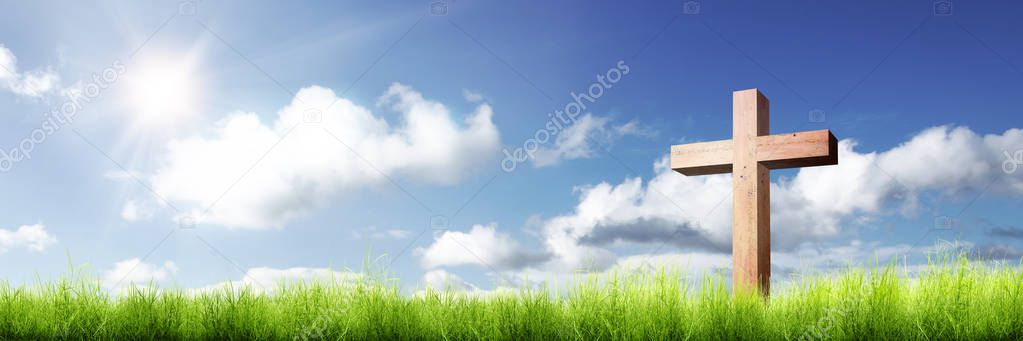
[[162, 92]]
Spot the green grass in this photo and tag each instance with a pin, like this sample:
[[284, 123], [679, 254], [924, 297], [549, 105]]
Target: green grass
[[952, 299]]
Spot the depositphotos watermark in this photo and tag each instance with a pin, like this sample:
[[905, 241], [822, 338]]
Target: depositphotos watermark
[[60, 116], [559, 120], [819, 330], [315, 330], [1012, 161]]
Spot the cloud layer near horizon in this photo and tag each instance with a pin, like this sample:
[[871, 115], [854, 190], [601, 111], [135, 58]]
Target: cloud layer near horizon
[[694, 213]]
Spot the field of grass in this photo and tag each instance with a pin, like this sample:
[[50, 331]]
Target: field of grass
[[952, 299]]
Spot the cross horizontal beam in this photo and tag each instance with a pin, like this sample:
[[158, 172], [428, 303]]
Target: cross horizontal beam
[[803, 149]]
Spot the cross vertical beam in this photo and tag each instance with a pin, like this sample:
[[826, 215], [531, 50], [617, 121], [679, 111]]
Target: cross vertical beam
[[751, 193], [750, 156]]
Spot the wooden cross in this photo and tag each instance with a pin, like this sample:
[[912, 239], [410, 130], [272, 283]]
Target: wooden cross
[[750, 156]]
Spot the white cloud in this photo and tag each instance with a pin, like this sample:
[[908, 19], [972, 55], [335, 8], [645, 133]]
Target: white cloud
[[825, 256], [482, 245], [33, 83], [122, 175], [373, 232], [261, 279], [134, 211], [693, 262], [695, 267], [398, 233], [954, 159], [634, 128], [442, 280], [30, 237], [472, 96], [309, 165], [581, 138], [813, 205], [264, 279], [694, 213], [136, 272]]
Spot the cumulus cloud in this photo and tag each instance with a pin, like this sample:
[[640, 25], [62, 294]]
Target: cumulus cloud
[[482, 245], [813, 205], [348, 147], [583, 137], [136, 272], [30, 237], [33, 83], [694, 213]]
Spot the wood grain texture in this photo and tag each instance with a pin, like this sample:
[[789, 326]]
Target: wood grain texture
[[702, 158], [803, 149], [749, 156], [751, 239]]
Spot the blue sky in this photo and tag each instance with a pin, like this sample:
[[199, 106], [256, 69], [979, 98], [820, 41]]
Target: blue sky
[[305, 138]]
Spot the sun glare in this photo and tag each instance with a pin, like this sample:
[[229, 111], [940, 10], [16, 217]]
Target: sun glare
[[162, 93]]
